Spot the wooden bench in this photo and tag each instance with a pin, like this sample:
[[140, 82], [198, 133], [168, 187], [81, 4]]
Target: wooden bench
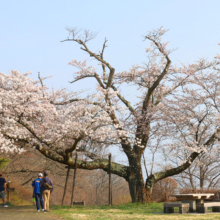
[[203, 207], [79, 203], [169, 207]]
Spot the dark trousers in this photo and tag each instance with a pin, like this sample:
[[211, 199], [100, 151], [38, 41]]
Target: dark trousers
[[39, 198]]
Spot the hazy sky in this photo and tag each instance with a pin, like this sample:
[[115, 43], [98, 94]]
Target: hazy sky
[[31, 32]]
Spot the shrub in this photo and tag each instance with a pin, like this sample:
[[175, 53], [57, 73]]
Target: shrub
[[163, 190]]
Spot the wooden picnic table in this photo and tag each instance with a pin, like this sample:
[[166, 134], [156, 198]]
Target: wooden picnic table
[[193, 199]]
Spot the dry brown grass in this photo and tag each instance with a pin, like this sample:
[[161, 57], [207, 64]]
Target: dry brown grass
[[21, 195]]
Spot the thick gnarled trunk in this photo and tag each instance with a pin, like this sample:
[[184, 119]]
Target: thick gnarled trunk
[[136, 181], [136, 186]]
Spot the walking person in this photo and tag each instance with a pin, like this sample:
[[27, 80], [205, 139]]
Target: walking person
[[3, 190], [46, 188], [38, 196]]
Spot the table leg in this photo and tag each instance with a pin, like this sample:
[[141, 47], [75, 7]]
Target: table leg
[[168, 209], [192, 204], [215, 208], [199, 201]]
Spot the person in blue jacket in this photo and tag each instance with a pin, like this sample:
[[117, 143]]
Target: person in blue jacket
[[38, 196]]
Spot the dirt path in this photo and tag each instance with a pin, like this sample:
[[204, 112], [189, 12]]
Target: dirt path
[[26, 213]]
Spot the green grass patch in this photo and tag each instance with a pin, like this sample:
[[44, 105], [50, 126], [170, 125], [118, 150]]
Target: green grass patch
[[7, 203], [129, 211]]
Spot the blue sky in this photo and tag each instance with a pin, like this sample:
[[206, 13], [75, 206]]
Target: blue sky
[[31, 32]]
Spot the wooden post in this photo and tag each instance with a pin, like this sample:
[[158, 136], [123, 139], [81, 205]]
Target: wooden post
[[110, 185], [74, 179], [8, 192], [67, 177]]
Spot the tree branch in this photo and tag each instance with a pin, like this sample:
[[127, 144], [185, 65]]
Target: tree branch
[[127, 103], [171, 172]]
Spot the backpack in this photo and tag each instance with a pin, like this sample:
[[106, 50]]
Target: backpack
[[47, 186]]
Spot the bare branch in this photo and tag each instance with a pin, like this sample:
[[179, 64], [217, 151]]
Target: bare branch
[[101, 55], [82, 41], [85, 37], [127, 103], [41, 83], [89, 35]]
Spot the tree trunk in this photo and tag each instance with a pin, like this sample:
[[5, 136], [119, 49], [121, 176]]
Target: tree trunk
[[67, 177], [136, 183], [191, 181], [201, 177], [74, 180]]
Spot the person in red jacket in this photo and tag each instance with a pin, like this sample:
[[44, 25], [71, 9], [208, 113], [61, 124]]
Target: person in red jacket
[[3, 190]]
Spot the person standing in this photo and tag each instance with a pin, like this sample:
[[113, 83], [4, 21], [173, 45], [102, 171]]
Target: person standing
[[3, 190], [38, 196], [33, 198], [46, 188]]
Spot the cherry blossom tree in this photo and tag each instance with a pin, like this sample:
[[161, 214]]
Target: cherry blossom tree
[[148, 122], [204, 173], [196, 130], [58, 123], [55, 122]]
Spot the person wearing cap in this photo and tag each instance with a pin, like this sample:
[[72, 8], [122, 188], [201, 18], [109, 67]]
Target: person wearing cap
[[3, 190], [45, 191], [38, 196]]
